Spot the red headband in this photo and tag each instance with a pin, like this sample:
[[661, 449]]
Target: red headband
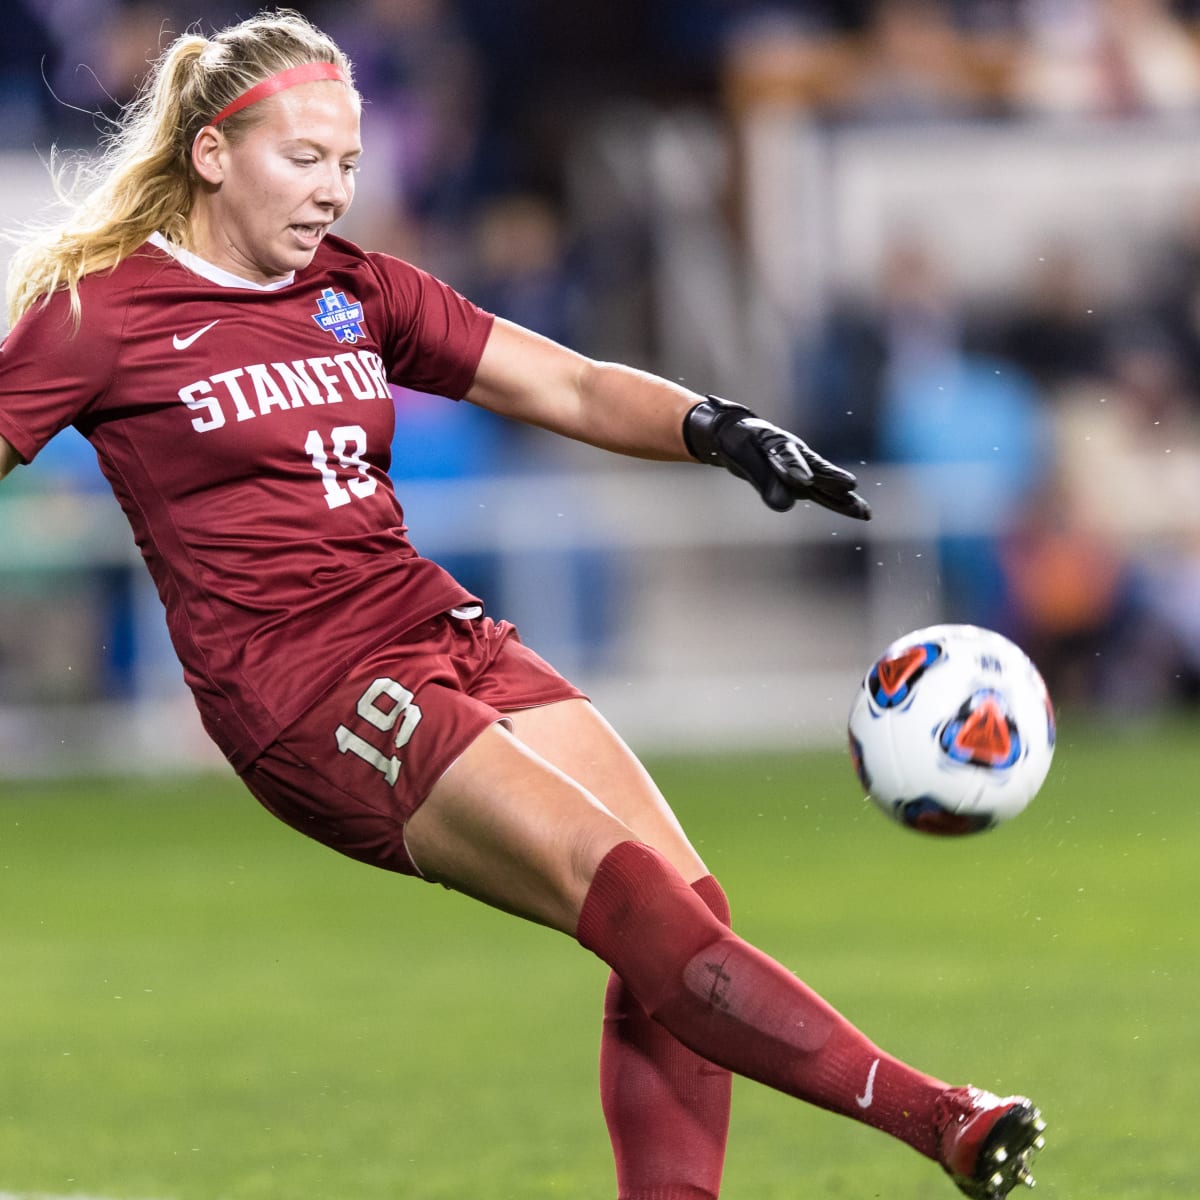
[[292, 77]]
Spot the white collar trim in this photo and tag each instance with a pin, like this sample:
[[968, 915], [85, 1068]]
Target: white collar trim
[[218, 275]]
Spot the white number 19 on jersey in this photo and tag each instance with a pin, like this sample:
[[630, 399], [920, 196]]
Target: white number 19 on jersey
[[348, 445]]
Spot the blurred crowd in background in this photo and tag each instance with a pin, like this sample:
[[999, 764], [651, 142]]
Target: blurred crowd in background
[[475, 107]]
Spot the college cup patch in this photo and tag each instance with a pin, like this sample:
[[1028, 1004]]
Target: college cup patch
[[339, 316]]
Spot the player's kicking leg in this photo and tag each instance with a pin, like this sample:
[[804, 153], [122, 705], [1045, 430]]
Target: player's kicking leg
[[509, 828]]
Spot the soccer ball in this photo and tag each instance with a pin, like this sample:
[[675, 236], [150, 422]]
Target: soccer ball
[[952, 730]]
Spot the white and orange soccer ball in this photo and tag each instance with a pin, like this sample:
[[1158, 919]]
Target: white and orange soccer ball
[[952, 730]]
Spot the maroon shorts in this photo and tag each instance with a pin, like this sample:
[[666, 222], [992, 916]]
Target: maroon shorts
[[358, 764]]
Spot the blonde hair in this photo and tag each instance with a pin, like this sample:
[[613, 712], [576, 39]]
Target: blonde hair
[[143, 180]]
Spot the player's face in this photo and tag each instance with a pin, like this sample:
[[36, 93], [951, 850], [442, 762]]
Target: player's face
[[269, 197]]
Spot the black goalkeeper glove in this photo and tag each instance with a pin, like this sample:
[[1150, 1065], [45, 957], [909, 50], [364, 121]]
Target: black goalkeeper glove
[[776, 462]]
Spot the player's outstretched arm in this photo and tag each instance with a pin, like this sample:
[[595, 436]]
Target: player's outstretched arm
[[9, 458], [532, 379]]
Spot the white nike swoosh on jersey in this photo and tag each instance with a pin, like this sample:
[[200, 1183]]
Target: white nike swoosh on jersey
[[865, 1100], [182, 343]]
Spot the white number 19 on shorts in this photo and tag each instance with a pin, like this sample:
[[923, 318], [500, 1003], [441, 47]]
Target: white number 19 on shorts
[[398, 709]]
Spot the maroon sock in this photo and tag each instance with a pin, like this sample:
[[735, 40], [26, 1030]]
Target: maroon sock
[[667, 1108], [737, 1007]]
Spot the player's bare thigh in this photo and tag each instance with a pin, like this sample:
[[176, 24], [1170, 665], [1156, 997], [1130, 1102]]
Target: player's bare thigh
[[580, 742], [512, 828]]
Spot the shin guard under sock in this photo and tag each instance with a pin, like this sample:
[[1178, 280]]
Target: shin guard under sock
[[738, 1008], [667, 1109]]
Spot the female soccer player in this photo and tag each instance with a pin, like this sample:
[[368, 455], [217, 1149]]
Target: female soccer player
[[229, 359]]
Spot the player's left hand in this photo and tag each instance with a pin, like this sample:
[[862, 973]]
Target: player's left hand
[[780, 466]]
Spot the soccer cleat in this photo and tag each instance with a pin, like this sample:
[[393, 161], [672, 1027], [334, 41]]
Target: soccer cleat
[[986, 1142]]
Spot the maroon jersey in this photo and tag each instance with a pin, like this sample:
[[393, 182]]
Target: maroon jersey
[[246, 432]]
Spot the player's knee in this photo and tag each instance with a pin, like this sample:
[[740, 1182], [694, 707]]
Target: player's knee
[[588, 848], [645, 921]]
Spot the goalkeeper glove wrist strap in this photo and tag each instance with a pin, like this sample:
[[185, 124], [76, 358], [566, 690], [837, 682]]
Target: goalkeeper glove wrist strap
[[702, 425]]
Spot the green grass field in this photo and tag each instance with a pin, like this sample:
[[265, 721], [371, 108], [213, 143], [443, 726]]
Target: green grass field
[[198, 1004]]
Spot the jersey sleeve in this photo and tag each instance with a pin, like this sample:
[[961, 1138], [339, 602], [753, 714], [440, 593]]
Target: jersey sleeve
[[51, 372], [435, 336]]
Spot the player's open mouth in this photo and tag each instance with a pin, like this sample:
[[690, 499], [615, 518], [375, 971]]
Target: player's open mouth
[[310, 235]]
